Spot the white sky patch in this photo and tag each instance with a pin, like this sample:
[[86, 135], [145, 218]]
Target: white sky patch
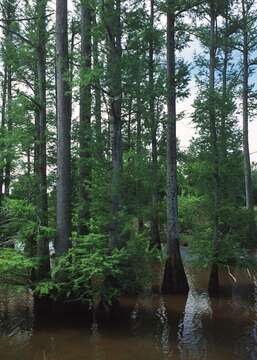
[[185, 128]]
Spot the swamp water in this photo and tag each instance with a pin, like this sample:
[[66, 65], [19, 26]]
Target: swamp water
[[144, 328]]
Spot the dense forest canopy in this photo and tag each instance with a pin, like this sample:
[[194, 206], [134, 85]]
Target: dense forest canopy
[[95, 189]]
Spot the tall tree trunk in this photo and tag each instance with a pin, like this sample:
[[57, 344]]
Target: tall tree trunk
[[72, 48], [224, 86], [9, 8], [42, 201], [175, 280], [247, 161], [140, 219], [214, 278], [224, 110], [8, 163], [155, 234], [3, 124], [85, 120], [114, 43], [63, 241], [9, 13], [129, 130], [97, 98], [36, 136]]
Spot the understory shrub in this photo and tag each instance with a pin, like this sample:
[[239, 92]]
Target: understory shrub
[[90, 271], [15, 268]]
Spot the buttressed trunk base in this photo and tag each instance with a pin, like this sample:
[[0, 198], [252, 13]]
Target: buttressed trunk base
[[214, 284], [175, 280]]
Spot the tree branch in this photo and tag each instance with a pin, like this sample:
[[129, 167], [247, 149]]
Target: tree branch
[[189, 7], [18, 35], [26, 18]]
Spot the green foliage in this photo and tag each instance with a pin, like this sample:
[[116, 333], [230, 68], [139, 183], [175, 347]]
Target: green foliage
[[191, 212], [233, 243], [18, 220], [85, 272], [20, 225], [90, 271], [137, 267], [15, 268]]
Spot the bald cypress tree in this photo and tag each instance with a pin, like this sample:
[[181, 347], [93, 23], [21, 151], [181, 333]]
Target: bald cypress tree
[[155, 231], [175, 280], [214, 280], [63, 240], [85, 117], [41, 174], [113, 30]]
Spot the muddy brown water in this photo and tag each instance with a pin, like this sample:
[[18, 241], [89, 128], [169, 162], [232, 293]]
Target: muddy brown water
[[147, 327]]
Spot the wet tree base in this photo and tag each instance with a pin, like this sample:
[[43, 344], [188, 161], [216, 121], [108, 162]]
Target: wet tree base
[[214, 283], [175, 280]]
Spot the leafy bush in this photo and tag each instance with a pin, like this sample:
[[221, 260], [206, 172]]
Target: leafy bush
[[233, 242], [90, 271], [201, 247], [235, 224], [137, 265], [192, 211], [21, 225], [18, 220], [85, 272], [15, 268]]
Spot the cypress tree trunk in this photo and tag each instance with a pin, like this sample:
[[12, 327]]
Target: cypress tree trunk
[[140, 219], [224, 86], [114, 67], [97, 98], [28, 162], [85, 121], [224, 176], [42, 201], [8, 163], [247, 160], [129, 130], [175, 280], [63, 241], [36, 136], [155, 234], [72, 46], [214, 278], [3, 124], [9, 14]]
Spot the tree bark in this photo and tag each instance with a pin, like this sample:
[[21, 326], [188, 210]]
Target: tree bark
[[247, 160], [114, 44], [155, 233], [42, 200], [85, 120], [97, 105], [249, 197], [8, 164], [63, 241], [9, 14], [3, 124], [140, 219], [175, 280], [224, 86], [214, 278]]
